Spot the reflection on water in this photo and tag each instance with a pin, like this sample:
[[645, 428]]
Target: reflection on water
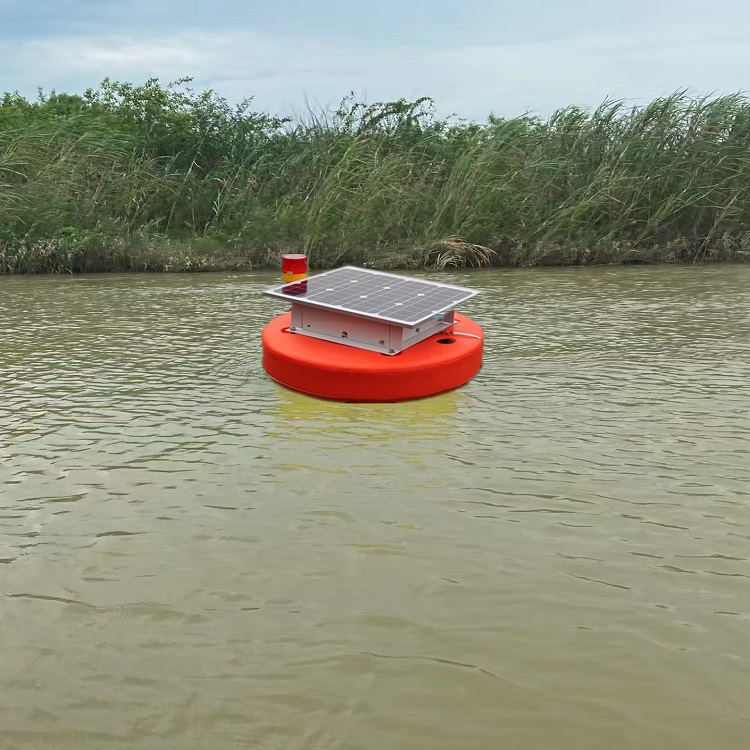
[[555, 555], [299, 417]]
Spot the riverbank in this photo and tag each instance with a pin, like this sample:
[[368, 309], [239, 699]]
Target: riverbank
[[65, 255], [155, 178]]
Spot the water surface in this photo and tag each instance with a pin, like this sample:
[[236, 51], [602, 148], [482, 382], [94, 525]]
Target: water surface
[[555, 556]]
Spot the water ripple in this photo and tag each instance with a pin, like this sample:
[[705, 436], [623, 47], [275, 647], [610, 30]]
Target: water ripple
[[554, 555]]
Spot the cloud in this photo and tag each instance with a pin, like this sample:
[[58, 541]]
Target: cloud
[[471, 79]]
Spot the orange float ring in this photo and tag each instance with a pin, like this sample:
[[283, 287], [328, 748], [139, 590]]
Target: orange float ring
[[325, 369]]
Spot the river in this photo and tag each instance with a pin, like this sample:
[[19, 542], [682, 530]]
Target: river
[[554, 556]]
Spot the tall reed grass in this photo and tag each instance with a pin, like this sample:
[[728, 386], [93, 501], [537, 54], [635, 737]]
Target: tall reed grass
[[160, 177]]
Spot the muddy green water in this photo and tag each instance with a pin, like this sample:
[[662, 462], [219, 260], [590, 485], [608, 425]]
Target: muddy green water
[[555, 556]]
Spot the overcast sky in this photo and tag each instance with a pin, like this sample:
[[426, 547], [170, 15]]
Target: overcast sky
[[474, 57]]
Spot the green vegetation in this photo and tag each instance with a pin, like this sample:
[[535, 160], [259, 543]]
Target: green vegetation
[[164, 178]]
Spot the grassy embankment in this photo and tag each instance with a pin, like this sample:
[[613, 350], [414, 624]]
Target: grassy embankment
[[163, 178]]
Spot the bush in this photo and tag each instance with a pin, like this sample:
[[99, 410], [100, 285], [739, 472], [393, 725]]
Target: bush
[[85, 181]]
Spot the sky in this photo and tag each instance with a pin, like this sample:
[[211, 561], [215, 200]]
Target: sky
[[473, 57]]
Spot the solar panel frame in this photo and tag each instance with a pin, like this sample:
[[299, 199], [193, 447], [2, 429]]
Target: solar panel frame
[[391, 298]]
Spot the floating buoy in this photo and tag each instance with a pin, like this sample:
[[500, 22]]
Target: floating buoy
[[444, 361], [354, 334]]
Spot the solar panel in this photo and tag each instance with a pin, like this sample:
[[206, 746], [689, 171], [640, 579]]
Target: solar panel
[[374, 294]]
